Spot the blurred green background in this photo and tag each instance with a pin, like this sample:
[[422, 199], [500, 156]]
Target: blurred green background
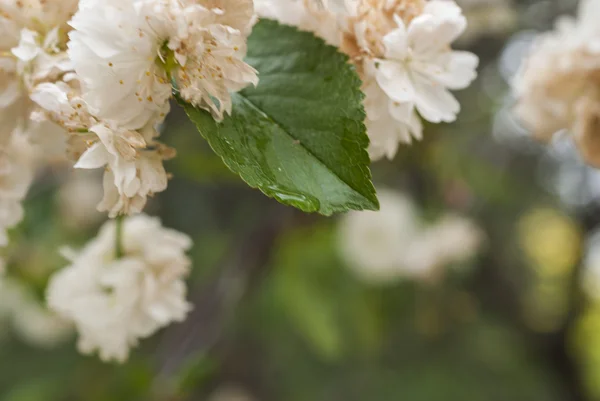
[[278, 314]]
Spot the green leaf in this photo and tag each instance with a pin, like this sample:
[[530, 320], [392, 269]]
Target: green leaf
[[299, 136]]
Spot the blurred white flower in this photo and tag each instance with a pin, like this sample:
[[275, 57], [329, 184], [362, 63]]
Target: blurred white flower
[[459, 238], [30, 320], [558, 87], [43, 15], [31, 51], [565, 173], [115, 301], [393, 243], [78, 197], [375, 243], [452, 239], [40, 58], [16, 175]]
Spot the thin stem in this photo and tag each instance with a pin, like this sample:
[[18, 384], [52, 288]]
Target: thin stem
[[119, 252]]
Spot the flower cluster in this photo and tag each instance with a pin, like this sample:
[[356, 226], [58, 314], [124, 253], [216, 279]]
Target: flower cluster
[[104, 72], [31, 52], [401, 49], [92, 79], [394, 243], [558, 87], [115, 297]]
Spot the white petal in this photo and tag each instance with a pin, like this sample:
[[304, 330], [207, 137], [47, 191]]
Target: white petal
[[429, 35], [401, 111], [396, 42], [28, 48], [455, 70], [393, 78], [95, 156], [434, 102], [51, 98]]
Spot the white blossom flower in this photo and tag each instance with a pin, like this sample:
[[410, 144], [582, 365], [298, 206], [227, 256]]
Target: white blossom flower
[[127, 75], [402, 50], [558, 87], [459, 238], [121, 78], [373, 243], [128, 184], [393, 243], [133, 158], [412, 62], [418, 67], [214, 66], [388, 123], [31, 51], [32, 44], [114, 301], [135, 164], [452, 240]]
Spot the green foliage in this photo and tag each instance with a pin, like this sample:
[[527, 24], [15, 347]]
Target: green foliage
[[328, 308], [299, 136], [340, 340], [34, 390]]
